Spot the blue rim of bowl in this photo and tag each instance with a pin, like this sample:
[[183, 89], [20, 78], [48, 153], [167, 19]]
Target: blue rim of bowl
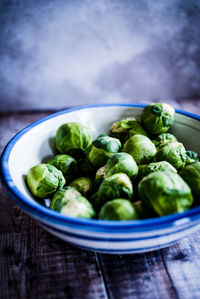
[[47, 214]]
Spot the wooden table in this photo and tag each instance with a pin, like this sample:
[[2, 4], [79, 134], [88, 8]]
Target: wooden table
[[35, 264]]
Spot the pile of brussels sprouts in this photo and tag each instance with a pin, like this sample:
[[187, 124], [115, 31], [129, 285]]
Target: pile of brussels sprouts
[[136, 171]]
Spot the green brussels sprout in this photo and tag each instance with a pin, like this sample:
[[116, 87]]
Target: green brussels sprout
[[136, 131], [118, 209], [83, 185], [123, 125], [155, 166], [99, 177], [163, 138], [73, 139], [97, 201], [191, 157], [116, 186], [191, 175], [157, 118], [85, 168], [63, 195], [140, 148], [126, 127], [68, 201], [102, 149], [121, 162], [172, 152], [44, 179], [103, 135], [66, 164], [142, 211], [78, 207], [165, 192]]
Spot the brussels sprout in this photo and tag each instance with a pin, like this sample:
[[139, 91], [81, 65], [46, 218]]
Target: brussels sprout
[[172, 152], [155, 166], [116, 186], [140, 148], [121, 162], [118, 209], [128, 126], [103, 135], [44, 179], [63, 195], [192, 157], [68, 201], [97, 201], [191, 175], [102, 149], [142, 211], [136, 131], [165, 192], [157, 118], [100, 175], [83, 185], [163, 138], [123, 125], [66, 164], [73, 139]]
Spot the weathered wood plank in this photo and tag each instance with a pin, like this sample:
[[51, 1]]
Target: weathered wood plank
[[137, 276], [183, 266], [34, 264]]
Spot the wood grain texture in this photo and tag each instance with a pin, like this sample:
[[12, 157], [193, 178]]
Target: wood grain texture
[[35, 264], [137, 276], [182, 263]]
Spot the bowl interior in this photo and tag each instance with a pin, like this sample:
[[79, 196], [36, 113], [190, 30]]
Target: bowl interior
[[36, 143]]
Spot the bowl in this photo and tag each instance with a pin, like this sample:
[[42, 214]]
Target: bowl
[[31, 145]]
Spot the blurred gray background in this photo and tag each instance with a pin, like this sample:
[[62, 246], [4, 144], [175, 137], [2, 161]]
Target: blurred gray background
[[56, 54]]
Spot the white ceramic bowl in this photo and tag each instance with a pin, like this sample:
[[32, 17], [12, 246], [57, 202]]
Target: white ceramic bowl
[[32, 144]]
